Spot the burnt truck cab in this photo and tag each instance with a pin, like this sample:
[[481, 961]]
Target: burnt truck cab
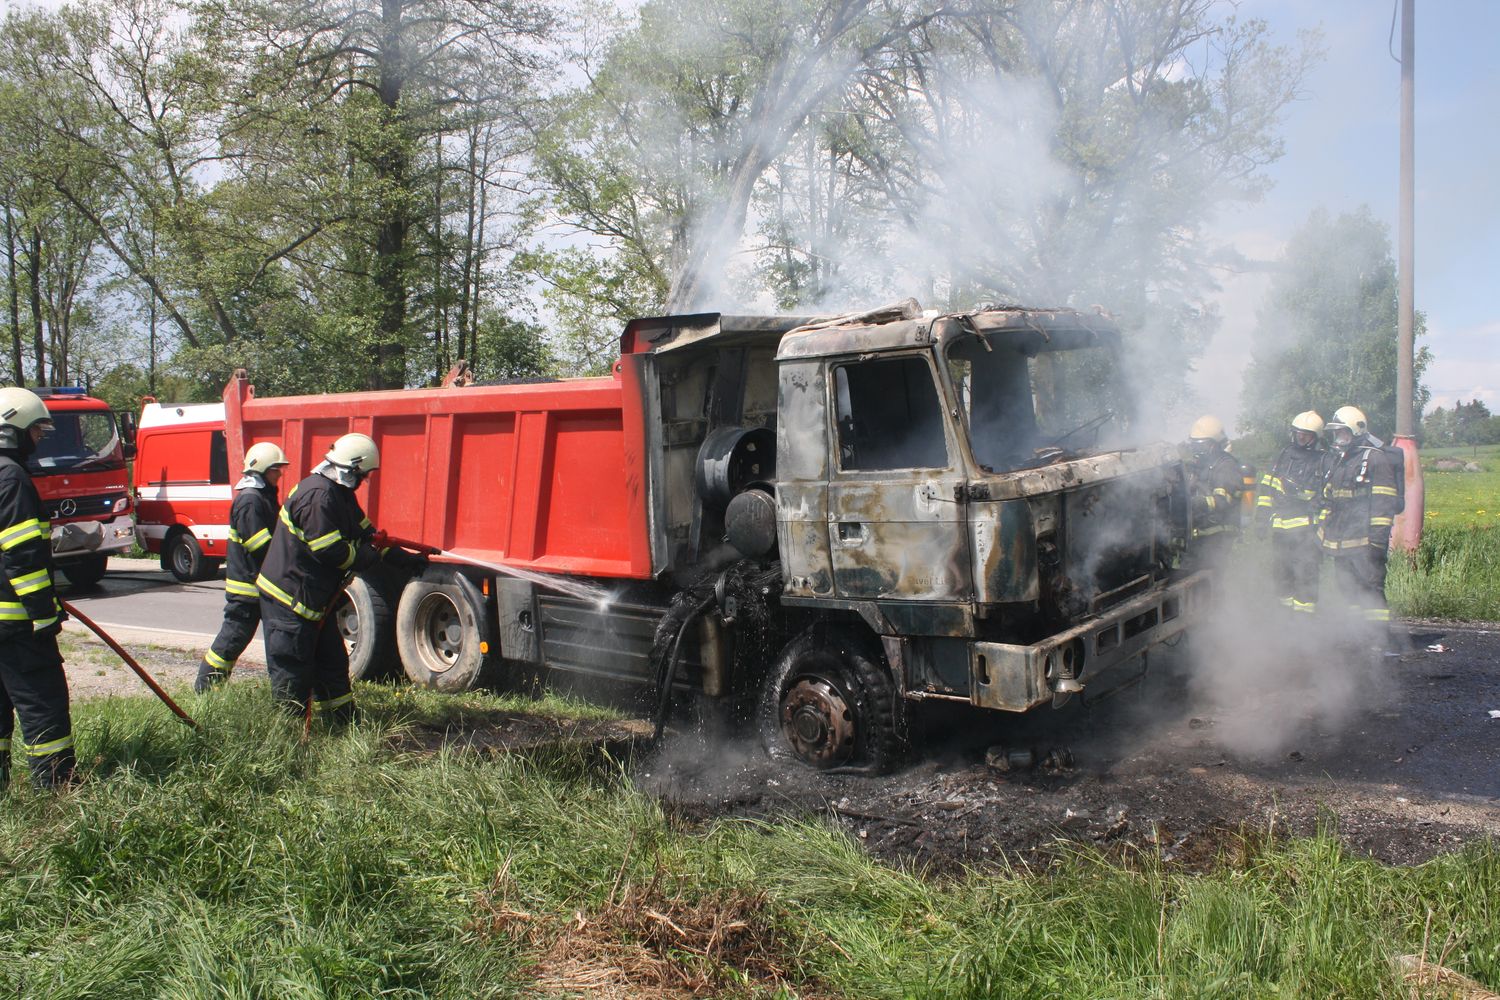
[[966, 484], [954, 507]]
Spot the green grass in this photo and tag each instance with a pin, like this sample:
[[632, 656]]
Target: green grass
[[237, 862], [1455, 499], [1455, 574]]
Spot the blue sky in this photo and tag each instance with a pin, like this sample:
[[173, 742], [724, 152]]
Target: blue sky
[[1342, 147]]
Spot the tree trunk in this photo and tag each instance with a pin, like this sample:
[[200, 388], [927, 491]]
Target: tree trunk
[[391, 167], [35, 275], [18, 373]]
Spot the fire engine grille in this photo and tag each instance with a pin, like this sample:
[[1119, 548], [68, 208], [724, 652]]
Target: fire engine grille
[[72, 507]]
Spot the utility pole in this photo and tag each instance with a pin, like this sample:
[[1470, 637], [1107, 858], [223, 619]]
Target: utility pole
[[1407, 533]]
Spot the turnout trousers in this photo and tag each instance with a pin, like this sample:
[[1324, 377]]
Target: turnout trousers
[[1296, 559], [34, 688], [306, 660], [241, 618], [1361, 577]]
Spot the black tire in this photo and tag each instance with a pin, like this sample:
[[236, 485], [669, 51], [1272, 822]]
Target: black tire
[[85, 572], [438, 634], [366, 621], [829, 702], [184, 559]]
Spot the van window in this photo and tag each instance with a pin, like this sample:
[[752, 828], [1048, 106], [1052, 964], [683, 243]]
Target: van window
[[889, 416], [218, 459]]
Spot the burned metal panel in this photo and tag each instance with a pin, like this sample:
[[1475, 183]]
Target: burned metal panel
[[904, 538], [576, 636], [896, 516], [1015, 678], [1077, 472], [1110, 537], [935, 666], [802, 481], [1004, 539]]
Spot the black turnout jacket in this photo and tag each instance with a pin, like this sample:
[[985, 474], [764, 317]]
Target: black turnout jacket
[[28, 601]]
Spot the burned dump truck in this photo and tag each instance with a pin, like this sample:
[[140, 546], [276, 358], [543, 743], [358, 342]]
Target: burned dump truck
[[808, 524]]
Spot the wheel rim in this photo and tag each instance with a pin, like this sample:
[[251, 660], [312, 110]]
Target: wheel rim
[[182, 559], [439, 632], [346, 617], [818, 721]]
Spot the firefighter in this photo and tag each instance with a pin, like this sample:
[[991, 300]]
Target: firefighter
[[1214, 485], [1361, 498], [1291, 495], [252, 521], [33, 686], [324, 538]]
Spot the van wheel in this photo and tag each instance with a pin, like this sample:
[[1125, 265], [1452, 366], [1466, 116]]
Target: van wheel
[[829, 702], [438, 635], [85, 572], [184, 559], [366, 622]]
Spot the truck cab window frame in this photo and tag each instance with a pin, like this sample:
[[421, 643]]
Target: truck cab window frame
[[889, 415]]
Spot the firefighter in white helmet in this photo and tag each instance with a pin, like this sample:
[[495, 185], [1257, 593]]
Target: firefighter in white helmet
[[32, 683], [1214, 486], [1361, 498], [1290, 496], [252, 522], [324, 537]]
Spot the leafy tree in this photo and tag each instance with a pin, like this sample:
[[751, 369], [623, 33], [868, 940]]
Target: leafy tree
[[1326, 335]]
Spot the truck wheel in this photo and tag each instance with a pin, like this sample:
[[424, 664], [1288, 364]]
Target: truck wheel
[[366, 622], [830, 703], [182, 557], [85, 572], [438, 635]]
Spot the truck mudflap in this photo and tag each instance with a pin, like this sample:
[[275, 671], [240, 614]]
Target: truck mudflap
[[1092, 656]]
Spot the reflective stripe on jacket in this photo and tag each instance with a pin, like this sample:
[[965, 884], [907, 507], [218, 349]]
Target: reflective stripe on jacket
[[322, 536], [1359, 499], [252, 521], [27, 598], [1291, 491]]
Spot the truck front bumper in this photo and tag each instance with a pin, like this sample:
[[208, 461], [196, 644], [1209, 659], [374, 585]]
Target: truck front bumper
[[1094, 654], [76, 539]]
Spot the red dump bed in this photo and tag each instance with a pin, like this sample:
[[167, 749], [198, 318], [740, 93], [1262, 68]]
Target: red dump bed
[[547, 477]]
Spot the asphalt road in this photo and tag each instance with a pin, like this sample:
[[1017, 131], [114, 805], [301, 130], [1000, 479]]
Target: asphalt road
[[139, 602]]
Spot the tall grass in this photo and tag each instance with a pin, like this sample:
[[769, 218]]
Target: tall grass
[[1454, 574], [238, 862]]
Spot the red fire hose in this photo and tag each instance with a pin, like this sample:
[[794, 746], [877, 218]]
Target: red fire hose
[[130, 662]]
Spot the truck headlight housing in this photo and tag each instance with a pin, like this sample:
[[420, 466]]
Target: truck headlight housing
[[121, 505]]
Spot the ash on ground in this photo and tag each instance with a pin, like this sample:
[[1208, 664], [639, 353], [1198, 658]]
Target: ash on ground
[[1410, 774]]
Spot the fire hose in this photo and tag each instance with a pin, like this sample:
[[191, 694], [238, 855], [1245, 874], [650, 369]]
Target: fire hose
[[140, 671]]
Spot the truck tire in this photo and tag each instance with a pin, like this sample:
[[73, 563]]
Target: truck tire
[[184, 559], [829, 702], [438, 634], [85, 572], [367, 623]]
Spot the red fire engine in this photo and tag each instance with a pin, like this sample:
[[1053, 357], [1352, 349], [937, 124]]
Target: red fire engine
[[79, 471]]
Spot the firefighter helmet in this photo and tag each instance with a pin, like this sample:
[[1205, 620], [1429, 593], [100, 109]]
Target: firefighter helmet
[[1351, 417], [20, 410], [263, 456], [1208, 428], [1308, 420], [356, 452]]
